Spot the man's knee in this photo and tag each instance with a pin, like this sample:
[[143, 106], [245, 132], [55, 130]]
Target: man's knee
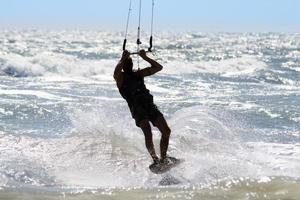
[[167, 131], [144, 125]]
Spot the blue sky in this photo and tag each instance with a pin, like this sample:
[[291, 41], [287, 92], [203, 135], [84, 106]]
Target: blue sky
[[199, 15]]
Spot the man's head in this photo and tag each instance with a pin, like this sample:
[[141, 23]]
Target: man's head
[[128, 65]]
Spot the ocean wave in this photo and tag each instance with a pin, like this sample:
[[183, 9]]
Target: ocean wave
[[48, 63], [51, 64], [88, 53]]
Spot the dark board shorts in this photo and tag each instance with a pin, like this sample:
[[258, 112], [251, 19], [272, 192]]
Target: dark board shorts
[[144, 111]]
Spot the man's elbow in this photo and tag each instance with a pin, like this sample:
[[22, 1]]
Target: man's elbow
[[115, 75], [159, 67]]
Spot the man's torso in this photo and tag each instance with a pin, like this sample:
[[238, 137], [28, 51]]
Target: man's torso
[[133, 89]]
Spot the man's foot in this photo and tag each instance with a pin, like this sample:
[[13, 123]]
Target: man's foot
[[156, 160], [167, 160]]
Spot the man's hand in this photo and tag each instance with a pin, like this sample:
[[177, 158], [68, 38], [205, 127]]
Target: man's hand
[[142, 53], [125, 55]]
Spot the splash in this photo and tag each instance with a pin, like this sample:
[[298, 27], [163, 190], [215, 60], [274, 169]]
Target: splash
[[99, 155]]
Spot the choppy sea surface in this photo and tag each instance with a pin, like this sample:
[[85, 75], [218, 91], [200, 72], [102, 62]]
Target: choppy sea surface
[[231, 100]]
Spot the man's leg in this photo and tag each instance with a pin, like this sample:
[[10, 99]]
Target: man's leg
[[146, 128], [163, 127]]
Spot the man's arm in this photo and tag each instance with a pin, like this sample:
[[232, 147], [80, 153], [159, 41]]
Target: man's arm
[[155, 66], [119, 67]]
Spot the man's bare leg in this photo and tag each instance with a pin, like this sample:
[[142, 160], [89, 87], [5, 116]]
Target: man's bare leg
[[163, 127], [146, 128]]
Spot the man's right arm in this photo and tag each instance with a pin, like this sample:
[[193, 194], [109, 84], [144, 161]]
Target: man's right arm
[[155, 66]]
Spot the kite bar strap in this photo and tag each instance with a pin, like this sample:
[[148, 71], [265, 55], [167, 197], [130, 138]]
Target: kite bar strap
[[124, 44], [150, 42], [138, 41]]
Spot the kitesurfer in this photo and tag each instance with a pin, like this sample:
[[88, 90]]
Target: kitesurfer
[[140, 102]]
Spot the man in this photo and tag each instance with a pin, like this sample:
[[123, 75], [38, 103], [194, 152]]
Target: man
[[132, 88]]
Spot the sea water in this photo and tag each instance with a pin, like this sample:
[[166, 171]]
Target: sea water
[[230, 99]]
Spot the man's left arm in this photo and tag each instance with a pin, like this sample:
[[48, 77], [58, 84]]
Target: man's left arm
[[155, 66]]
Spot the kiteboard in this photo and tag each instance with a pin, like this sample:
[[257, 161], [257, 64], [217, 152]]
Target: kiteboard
[[160, 167]]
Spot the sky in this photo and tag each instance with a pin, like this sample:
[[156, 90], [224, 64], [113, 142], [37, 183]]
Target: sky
[[184, 15]]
